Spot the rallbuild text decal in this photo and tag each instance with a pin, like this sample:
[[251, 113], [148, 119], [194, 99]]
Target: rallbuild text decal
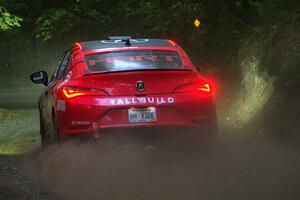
[[141, 100]]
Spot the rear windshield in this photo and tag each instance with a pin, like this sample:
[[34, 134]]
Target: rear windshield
[[133, 60]]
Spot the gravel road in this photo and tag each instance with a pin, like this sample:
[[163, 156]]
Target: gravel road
[[236, 168], [17, 183]]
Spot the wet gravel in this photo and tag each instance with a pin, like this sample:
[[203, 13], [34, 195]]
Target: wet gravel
[[235, 168], [17, 183]]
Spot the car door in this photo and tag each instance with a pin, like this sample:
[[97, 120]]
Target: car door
[[48, 98]]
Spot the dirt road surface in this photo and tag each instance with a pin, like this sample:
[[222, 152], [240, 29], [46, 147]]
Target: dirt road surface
[[235, 167]]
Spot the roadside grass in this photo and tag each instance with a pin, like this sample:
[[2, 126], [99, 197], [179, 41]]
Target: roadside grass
[[6, 115], [19, 131]]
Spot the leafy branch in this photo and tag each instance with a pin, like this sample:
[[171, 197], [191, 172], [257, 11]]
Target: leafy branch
[[8, 21]]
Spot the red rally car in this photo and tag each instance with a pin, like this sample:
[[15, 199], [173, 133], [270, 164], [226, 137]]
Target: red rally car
[[122, 82]]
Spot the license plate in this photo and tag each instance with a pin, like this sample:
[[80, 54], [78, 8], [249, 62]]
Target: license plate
[[136, 115]]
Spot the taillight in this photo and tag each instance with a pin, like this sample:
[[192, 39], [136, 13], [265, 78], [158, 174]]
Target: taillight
[[71, 92], [202, 86], [205, 87]]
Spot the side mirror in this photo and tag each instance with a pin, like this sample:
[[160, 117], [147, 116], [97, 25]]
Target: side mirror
[[39, 77]]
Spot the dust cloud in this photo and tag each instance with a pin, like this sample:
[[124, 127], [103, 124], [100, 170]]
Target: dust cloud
[[233, 167]]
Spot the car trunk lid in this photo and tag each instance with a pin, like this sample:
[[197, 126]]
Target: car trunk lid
[[140, 82]]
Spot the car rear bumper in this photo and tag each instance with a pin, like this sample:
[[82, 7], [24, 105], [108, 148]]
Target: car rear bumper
[[93, 114]]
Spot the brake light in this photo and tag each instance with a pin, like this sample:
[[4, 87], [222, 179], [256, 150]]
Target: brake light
[[71, 92], [204, 87]]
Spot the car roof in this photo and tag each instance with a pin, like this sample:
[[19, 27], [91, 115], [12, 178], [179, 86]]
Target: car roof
[[121, 42]]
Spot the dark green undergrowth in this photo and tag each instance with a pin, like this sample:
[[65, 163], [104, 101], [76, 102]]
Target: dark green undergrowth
[[279, 61]]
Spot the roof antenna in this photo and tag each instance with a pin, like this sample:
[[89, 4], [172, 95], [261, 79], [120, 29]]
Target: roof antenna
[[127, 42]]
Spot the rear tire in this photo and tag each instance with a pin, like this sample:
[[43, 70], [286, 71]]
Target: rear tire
[[43, 133], [50, 137]]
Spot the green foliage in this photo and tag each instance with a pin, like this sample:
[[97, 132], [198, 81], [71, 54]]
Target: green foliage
[[64, 20], [51, 20], [137, 17], [215, 43], [8, 21], [145, 18], [271, 13]]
